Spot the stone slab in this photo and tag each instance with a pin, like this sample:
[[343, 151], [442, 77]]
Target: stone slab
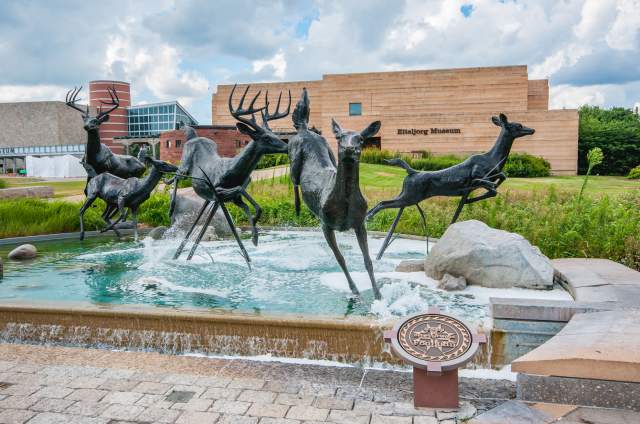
[[513, 412], [602, 416], [578, 391], [542, 310], [599, 345]]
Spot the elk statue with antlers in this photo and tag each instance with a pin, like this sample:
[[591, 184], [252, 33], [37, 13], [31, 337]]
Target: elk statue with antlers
[[218, 179], [98, 158]]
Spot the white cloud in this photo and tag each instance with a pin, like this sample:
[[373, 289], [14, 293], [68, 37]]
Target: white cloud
[[277, 62], [568, 97], [30, 93], [625, 32]]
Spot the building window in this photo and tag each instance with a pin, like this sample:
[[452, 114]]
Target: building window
[[178, 143], [355, 109], [168, 143]]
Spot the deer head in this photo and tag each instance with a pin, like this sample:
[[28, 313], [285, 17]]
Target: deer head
[[514, 129], [266, 140], [92, 123], [350, 142]]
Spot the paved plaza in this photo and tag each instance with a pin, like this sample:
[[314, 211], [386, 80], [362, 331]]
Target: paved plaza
[[56, 385]]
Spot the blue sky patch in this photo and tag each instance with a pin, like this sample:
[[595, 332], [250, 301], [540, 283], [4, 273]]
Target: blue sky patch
[[466, 10]]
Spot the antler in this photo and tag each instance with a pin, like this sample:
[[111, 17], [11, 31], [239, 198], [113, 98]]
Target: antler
[[115, 102], [240, 112], [266, 116], [72, 98]]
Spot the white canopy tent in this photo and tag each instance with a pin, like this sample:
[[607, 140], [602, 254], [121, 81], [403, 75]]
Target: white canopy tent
[[64, 166]]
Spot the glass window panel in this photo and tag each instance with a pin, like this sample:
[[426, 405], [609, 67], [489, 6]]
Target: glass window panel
[[355, 109]]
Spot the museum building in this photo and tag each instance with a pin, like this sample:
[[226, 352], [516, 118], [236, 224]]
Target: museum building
[[445, 111]]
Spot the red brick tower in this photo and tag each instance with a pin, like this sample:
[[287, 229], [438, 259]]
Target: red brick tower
[[117, 123]]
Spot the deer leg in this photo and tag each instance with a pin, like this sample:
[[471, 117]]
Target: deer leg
[[193, 226], [203, 230], [330, 236], [385, 204], [84, 207], [296, 199], [247, 212], [461, 204], [243, 251], [255, 205], [487, 195], [361, 234], [387, 239], [109, 211], [122, 217]]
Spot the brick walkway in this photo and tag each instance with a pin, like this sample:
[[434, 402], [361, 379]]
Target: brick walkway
[[71, 385]]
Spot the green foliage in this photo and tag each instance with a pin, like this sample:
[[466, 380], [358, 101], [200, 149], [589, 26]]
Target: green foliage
[[525, 165], [616, 131], [155, 211], [3, 184], [26, 217], [634, 174], [518, 164], [594, 158], [276, 159]]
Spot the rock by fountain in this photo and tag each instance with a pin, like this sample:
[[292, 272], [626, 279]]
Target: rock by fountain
[[451, 283], [488, 257], [24, 251]]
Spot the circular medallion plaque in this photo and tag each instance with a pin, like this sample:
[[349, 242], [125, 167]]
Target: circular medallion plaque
[[434, 341], [436, 338]]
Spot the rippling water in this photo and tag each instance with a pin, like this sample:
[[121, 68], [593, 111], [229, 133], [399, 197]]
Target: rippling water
[[293, 272]]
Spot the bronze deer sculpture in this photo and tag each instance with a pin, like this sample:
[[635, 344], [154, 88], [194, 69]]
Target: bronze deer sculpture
[[98, 158], [121, 194], [230, 176], [477, 171], [331, 190]]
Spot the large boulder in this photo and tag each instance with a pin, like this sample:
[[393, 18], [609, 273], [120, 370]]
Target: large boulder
[[488, 257], [187, 206], [24, 251]]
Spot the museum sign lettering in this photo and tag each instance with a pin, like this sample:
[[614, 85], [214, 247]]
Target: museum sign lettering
[[427, 131]]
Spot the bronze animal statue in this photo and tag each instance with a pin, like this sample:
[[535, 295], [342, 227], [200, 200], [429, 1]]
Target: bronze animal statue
[[98, 156], [120, 194], [229, 176], [331, 190], [478, 171]]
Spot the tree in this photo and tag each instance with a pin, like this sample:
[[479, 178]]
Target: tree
[[616, 132]]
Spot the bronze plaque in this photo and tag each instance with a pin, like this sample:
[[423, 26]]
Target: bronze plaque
[[434, 338]]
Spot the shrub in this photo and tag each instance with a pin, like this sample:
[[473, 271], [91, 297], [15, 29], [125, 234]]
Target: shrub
[[616, 131], [3, 184], [518, 164], [276, 159], [526, 166], [634, 174]]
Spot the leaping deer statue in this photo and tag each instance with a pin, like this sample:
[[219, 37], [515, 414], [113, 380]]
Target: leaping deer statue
[[229, 176], [98, 158], [331, 190], [478, 171]]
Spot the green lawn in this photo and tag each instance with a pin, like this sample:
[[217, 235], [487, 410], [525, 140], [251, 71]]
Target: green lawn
[[60, 188], [382, 177]]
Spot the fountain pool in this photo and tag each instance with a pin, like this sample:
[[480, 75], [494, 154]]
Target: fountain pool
[[293, 272]]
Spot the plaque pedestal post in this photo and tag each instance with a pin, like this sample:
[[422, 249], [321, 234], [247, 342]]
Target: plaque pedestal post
[[435, 390]]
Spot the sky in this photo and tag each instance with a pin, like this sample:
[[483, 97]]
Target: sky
[[588, 49]]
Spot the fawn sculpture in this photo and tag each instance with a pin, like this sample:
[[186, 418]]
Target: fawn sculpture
[[219, 179], [98, 158], [477, 171], [331, 190], [120, 194]]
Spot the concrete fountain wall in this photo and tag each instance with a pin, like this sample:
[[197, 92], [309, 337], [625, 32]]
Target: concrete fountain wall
[[353, 340]]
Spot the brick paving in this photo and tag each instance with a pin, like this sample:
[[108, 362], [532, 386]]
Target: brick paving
[[45, 385]]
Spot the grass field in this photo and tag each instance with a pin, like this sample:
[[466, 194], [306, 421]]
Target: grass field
[[60, 188], [381, 181]]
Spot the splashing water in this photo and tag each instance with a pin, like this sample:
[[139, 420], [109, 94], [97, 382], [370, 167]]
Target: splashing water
[[293, 272]]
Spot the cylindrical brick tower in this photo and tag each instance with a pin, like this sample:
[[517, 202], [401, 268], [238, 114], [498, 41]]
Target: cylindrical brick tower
[[117, 123]]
